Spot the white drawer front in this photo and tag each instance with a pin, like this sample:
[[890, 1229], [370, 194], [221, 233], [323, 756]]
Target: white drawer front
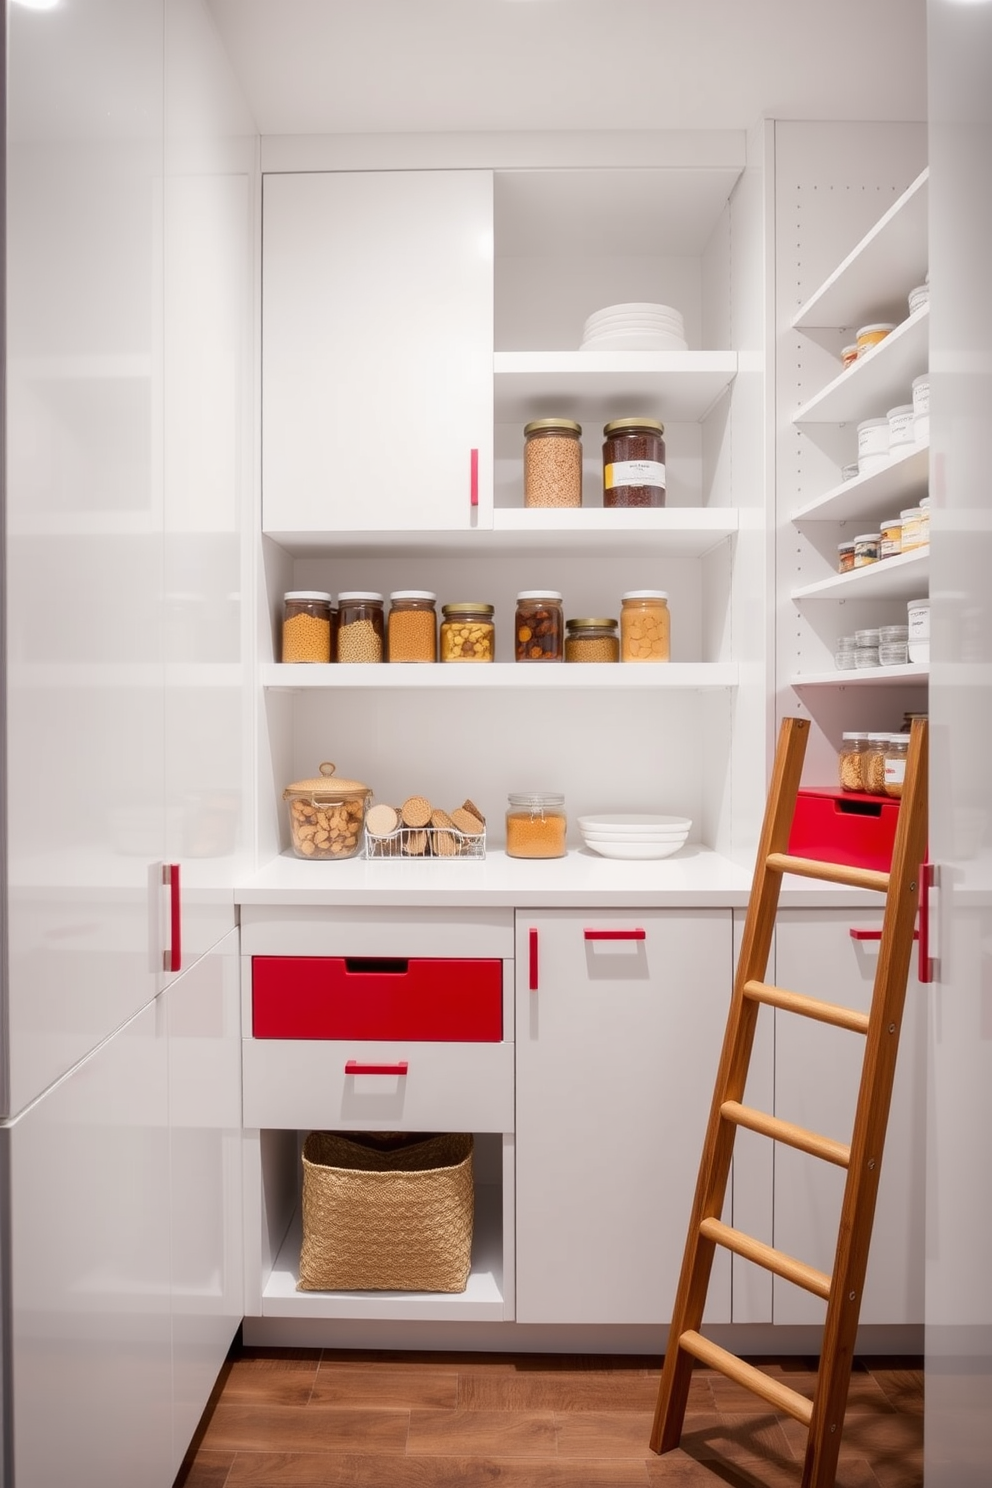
[[304, 1084], [298, 930]]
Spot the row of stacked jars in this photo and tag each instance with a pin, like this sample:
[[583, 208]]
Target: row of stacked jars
[[903, 534], [873, 762], [633, 463], [358, 629]]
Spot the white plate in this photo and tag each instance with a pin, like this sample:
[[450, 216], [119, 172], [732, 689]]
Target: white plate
[[637, 307], [660, 342], [635, 850], [634, 821], [676, 322], [593, 839]]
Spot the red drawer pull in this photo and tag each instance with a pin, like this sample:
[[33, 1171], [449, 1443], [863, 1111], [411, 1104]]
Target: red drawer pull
[[532, 938], [615, 934], [925, 965], [174, 955], [354, 1068], [474, 477], [864, 934]]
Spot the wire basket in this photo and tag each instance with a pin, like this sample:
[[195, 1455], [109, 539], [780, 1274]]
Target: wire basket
[[415, 843]]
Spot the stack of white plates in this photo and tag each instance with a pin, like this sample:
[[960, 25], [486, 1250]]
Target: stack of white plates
[[639, 326], [632, 834]]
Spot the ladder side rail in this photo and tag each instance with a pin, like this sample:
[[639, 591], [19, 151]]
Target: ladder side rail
[[718, 1146], [871, 1119]]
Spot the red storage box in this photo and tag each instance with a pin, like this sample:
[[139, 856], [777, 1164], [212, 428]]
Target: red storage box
[[338, 997], [838, 826]]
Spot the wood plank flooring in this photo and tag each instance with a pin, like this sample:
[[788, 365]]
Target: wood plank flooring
[[302, 1418]]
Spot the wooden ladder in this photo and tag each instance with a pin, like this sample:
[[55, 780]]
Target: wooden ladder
[[824, 1414]]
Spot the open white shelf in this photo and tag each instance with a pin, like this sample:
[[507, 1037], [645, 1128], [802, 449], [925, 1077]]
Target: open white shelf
[[682, 385], [482, 1300], [865, 676], [876, 382], [907, 576], [540, 676], [876, 276], [881, 493]]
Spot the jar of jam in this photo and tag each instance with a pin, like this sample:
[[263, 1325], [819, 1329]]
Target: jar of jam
[[306, 626], [411, 630], [645, 626], [552, 463], [591, 640], [361, 626], [634, 462], [468, 632], [539, 630], [536, 825]]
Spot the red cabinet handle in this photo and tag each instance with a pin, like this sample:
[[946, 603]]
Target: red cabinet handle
[[924, 968], [174, 955], [615, 934], [865, 934], [353, 1067], [474, 476], [532, 938]]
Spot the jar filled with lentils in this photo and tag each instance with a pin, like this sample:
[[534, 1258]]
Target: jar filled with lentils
[[591, 640], [645, 626], [468, 632], [539, 630], [634, 462], [361, 626], [411, 630], [536, 825], [306, 626], [552, 463], [851, 761]]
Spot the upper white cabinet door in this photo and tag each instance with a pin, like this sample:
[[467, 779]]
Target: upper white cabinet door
[[617, 1048], [817, 1071], [377, 351]]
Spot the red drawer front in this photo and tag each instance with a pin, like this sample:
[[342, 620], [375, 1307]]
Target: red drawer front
[[844, 827], [337, 997]]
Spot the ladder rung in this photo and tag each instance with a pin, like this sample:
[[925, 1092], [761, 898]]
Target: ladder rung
[[788, 1132], [767, 1256], [808, 1007], [840, 873], [745, 1374]]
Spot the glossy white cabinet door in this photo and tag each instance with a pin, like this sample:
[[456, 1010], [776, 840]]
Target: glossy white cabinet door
[[91, 1335], [204, 1027], [817, 1070], [617, 1048], [377, 350]]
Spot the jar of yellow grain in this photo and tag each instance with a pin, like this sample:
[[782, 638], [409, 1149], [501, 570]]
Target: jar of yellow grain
[[411, 630], [536, 825], [326, 815], [645, 626], [361, 625], [468, 632], [591, 639], [306, 626]]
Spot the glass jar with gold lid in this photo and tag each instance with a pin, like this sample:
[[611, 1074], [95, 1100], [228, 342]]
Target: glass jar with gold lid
[[591, 639], [468, 632], [552, 462]]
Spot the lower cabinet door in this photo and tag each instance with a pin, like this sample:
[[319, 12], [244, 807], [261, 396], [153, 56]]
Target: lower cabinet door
[[620, 1020], [817, 1071]]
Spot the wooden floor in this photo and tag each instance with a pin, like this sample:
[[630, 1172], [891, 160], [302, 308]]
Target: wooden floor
[[394, 1420]]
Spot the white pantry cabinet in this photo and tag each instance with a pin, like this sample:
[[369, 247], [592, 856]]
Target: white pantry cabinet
[[378, 336], [619, 1024], [817, 1071]]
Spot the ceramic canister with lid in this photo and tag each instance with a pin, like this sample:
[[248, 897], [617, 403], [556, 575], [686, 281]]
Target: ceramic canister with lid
[[326, 815], [873, 444], [918, 615], [921, 408]]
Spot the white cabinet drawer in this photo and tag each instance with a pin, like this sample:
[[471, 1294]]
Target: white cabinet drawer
[[299, 1084], [389, 930]]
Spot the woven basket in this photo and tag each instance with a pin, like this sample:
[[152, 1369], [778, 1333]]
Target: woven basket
[[386, 1216]]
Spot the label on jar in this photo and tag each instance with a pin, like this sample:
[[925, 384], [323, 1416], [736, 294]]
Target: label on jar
[[895, 770], [634, 473]]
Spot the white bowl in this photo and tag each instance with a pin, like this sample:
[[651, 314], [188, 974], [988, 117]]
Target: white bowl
[[638, 851], [593, 839], [649, 322], [662, 341], [639, 822]]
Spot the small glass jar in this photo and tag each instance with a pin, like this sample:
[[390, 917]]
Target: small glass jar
[[468, 632], [890, 545], [848, 355], [867, 548], [845, 556], [645, 626], [552, 463], [851, 761], [361, 626], [874, 763], [538, 626], [870, 335], [411, 630], [895, 764], [306, 626], [634, 462], [591, 640], [873, 445], [326, 815], [536, 825]]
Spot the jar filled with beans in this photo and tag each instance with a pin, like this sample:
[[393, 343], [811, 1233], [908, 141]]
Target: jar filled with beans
[[361, 626], [874, 763], [468, 632], [591, 640], [536, 825], [645, 626], [412, 626], [552, 463], [539, 629], [634, 462], [306, 626], [851, 761]]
